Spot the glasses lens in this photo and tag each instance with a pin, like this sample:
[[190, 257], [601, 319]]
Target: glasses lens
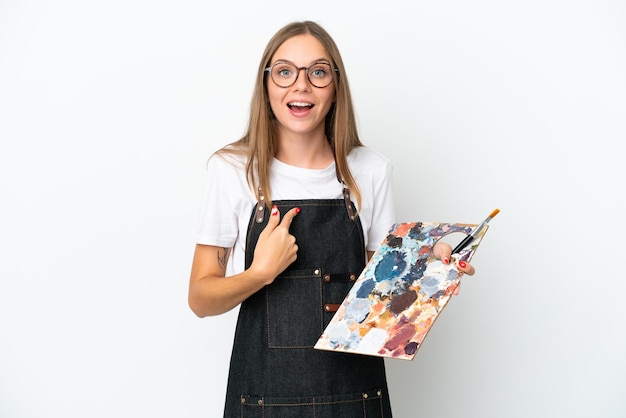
[[285, 74], [320, 74]]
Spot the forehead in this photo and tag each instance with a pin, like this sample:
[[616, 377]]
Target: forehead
[[301, 50]]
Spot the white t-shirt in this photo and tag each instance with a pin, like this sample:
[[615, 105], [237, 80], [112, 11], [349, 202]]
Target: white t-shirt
[[228, 201]]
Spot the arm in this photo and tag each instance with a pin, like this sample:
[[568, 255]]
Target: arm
[[211, 292]]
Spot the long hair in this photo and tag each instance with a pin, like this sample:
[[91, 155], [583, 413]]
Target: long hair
[[259, 143]]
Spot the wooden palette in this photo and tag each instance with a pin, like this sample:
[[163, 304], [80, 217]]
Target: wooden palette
[[400, 293]]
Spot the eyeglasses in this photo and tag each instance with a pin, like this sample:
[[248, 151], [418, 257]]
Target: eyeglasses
[[285, 74]]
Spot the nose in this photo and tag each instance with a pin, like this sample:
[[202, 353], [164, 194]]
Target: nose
[[302, 82]]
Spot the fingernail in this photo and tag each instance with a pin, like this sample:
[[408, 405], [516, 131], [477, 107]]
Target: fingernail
[[274, 210], [297, 211], [462, 264], [446, 261]]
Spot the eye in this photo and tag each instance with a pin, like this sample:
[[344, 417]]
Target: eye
[[283, 71], [319, 71]]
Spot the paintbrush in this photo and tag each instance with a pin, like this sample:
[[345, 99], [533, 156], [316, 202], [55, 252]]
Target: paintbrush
[[468, 239]]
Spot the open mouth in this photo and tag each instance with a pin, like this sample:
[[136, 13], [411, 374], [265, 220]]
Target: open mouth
[[300, 106]]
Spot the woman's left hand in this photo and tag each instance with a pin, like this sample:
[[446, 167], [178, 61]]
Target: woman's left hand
[[443, 251]]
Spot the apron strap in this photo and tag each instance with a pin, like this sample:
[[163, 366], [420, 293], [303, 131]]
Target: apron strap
[[346, 195], [261, 205]]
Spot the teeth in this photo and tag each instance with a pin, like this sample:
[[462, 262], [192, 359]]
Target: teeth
[[300, 104]]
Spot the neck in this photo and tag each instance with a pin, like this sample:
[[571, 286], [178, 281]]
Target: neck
[[305, 151]]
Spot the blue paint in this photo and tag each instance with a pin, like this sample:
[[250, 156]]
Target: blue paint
[[416, 271], [365, 289], [391, 265], [358, 310], [429, 286], [416, 232]]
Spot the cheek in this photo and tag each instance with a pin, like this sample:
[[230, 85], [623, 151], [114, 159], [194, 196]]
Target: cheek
[[275, 98], [331, 95], [274, 92], [330, 99]]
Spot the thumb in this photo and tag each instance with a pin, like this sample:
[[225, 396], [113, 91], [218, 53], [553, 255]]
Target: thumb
[[443, 251]]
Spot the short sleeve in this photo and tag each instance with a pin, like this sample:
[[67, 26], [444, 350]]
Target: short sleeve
[[221, 199], [383, 212]]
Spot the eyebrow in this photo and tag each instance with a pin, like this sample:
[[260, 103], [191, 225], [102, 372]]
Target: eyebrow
[[316, 61]]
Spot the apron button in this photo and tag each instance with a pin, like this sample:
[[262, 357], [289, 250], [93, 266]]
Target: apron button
[[365, 396], [260, 401], [331, 307]]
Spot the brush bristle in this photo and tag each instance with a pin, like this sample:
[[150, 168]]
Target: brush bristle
[[494, 213]]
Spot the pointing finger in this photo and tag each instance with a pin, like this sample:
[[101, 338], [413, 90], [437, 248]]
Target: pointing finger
[[288, 217]]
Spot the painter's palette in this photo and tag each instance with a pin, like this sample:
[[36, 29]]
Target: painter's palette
[[399, 295]]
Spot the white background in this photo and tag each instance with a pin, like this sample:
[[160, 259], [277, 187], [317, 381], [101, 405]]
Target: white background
[[108, 111]]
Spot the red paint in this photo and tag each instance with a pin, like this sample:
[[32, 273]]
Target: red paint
[[401, 337]]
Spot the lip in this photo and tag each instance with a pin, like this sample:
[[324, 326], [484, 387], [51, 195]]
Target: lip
[[299, 108]]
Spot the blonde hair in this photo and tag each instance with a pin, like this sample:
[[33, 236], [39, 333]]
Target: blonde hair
[[259, 143]]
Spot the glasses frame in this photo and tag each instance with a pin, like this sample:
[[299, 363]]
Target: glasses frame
[[306, 71]]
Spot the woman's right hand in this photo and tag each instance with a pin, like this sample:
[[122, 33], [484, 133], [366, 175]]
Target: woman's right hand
[[212, 293], [276, 248]]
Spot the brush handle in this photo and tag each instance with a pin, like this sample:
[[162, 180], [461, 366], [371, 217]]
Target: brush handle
[[463, 243], [475, 232]]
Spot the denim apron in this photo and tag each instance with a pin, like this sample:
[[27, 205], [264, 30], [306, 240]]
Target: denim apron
[[274, 370]]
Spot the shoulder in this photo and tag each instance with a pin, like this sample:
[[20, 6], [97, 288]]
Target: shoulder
[[373, 173], [228, 158], [365, 159], [363, 154], [225, 174]]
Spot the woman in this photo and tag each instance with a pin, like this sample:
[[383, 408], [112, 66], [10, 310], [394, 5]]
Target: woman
[[301, 156]]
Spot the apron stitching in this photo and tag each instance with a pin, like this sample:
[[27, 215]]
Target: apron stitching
[[267, 316], [321, 310], [313, 402]]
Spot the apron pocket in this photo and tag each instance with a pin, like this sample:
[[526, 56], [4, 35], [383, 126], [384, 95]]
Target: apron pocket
[[366, 404], [335, 289], [294, 309]]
